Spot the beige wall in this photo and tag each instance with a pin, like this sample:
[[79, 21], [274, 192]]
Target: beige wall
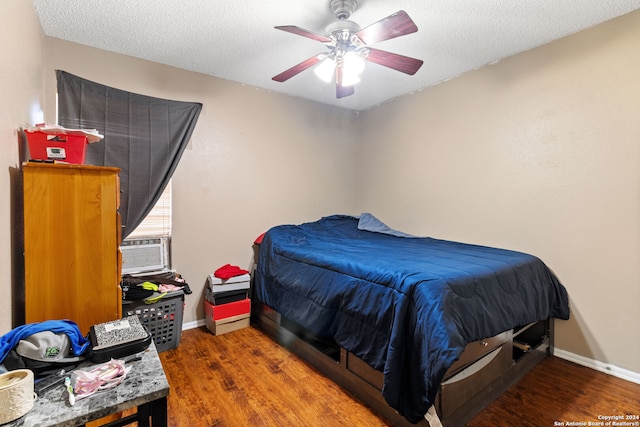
[[21, 97], [255, 159], [538, 153]]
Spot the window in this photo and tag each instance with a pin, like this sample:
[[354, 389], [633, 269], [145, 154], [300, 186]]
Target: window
[[158, 222]]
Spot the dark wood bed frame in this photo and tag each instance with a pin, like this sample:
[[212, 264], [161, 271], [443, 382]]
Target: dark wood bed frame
[[486, 369]]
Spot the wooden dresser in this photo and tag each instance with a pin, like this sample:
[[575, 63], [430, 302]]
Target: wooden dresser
[[72, 243]]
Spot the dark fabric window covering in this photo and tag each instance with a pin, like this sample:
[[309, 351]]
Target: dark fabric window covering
[[143, 136]]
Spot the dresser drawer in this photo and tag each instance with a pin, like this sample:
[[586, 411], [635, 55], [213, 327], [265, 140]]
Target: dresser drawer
[[475, 350], [462, 386]]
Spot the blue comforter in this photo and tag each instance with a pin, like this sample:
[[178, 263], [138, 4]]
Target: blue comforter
[[406, 306]]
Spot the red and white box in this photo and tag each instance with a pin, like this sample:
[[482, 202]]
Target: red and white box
[[52, 142], [224, 318], [61, 147]]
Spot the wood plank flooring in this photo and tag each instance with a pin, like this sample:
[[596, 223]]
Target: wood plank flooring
[[243, 378], [558, 392]]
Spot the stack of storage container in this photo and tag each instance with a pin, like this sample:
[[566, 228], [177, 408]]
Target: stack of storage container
[[227, 305]]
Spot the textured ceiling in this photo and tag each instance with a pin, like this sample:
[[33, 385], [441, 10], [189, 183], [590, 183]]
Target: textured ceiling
[[235, 39]]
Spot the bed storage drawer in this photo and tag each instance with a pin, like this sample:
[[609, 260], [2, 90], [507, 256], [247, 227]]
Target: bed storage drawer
[[458, 389], [475, 350], [357, 366]]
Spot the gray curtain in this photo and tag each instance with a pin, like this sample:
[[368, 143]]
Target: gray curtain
[[143, 136]]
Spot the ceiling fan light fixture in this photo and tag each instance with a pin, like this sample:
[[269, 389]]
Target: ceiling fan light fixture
[[352, 66], [353, 63], [326, 70]]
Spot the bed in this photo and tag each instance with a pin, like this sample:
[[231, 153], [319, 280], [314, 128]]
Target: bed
[[422, 330]]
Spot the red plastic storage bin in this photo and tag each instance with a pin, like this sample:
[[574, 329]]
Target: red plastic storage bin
[[62, 147]]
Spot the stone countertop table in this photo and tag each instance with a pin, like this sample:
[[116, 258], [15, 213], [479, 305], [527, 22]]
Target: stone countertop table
[[145, 387]]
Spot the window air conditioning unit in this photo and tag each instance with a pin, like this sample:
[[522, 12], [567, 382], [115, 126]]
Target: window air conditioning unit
[[145, 255]]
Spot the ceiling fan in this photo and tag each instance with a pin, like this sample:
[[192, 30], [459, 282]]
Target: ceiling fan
[[349, 47]]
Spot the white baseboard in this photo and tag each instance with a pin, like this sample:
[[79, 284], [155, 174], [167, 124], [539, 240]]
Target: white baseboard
[[607, 368], [193, 325]]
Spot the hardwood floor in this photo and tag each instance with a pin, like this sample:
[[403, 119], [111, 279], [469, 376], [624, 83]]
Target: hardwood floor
[[243, 378], [558, 392]]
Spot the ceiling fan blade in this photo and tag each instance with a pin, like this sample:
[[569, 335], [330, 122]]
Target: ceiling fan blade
[[342, 91], [304, 33], [395, 25], [298, 68], [400, 63]]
